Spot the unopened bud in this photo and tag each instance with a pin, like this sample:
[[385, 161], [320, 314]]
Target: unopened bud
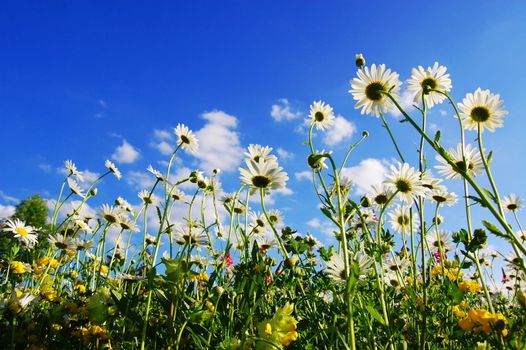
[[292, 261], [360, 60], [93, 192]]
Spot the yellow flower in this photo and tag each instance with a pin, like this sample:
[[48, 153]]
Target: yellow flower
[[480, 320], [469, 286], [210, 306], [280, 330], [18, 267], [81, 288], [103, 269]]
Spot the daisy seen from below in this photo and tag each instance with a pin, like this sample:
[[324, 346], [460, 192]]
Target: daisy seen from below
[[401, 219], [512, 202], [75, 187], [369, 87], [381, 195], [257, 152], [186, 138], [321, 115], [482, 109], [110, 214], [188, 234], [111, 167], [336, 265], [470, 163], [22, 232], [443, 197], [61, 242], [155, 173], [422, 81], [406, 182], [439, 241], [71, 168], [263, 175]]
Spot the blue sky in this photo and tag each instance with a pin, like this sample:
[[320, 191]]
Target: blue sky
[[80, 79]]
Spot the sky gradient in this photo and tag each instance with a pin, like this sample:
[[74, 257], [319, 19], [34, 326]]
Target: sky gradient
[[95, 80]]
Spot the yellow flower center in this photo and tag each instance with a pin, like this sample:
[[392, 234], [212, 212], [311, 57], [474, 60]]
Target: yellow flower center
[[22, 231]]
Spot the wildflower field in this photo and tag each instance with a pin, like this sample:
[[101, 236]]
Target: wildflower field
[[394, 279]]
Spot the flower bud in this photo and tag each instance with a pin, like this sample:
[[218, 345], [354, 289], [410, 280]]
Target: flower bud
[[360, 60]]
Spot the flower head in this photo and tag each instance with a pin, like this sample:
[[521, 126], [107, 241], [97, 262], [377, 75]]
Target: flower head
[[22, 232], [71, 168], [186, 138], [512, 202], [482, 109], [75, 187], [406, 181], [470, 163], [111, 167], [263, 175], [321, 115], [369, 87], [401, 219], [257, 152], [422, 81]]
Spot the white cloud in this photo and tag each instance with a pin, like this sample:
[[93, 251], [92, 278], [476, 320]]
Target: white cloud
[[406, 101], [369, 172], [125, 153], [103, 104], [283, 154], [302, 175], [342, 130], [219, 145], [162, 134], [315, 222], [139, 180], [7, 198], [6, 211], [45, 167], [283, 111], [164, 147], [285, 191], [442, 112], [69, 207]]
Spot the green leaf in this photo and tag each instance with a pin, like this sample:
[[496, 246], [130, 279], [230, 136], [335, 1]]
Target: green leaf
[[493, 229], [375, 314], [437, 136]]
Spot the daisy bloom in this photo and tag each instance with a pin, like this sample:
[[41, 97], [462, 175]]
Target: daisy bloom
[[124, 204], [471, 163], [71, 168], [443, 197], [257, 152], [406, 181], [369, 87], [401, 219], [440, 240], [83, 245], [147, 197], [433, 78], [111, 167], [110, 214], [263, 175], [82, 225], [75, 187], [22, 232], [483, 109], [380, 195], [275, 217], [155, 173], [316, 161], [177, 194], [512, 202], [336, 265], [321, 115], [60, 241], [186, 138], [190, 235], [431, 182]]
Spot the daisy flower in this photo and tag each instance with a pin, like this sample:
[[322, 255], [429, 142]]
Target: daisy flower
[[71, 168], [257, 152], [397, 264], [275, 217], [110, 214], [190, 235], [127, 224], [258, 220], [380, 195], [406, 181], [443, 197], [431, 182], [75, 187], [336, 265], [111, 167], [213, 186], [401, 219], [433, 78], [148, 198], [316, 162], [512, 202], [263, 175], [22, 232], [155, 173], [482, 108], [369, 86], [124, 204], [61, 242], [83, 245], [472, 163], [439, 240], [321, 115], [265, 242], [186, 138], [81, 224], [177, 194]]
